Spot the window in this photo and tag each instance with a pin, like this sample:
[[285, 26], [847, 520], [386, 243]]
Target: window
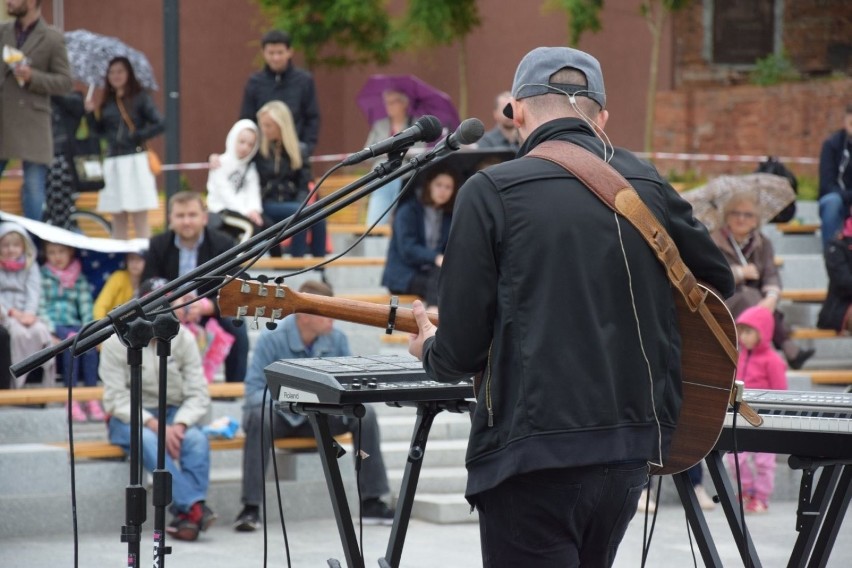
[[740, 32]]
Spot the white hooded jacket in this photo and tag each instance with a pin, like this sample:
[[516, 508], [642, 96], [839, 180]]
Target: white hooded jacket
[[235, 185]]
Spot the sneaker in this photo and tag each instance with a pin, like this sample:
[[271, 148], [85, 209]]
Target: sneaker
[[77, 414], [704, 500], [208, 517], [96, 413], [248, 520], [183, 527], [799, 360], [643, 500], [756, 507], [376, 512]]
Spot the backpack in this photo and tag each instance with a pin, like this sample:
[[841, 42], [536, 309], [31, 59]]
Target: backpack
[[773, 166]]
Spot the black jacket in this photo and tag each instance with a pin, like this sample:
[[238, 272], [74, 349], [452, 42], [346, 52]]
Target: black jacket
[[278, 181], [294, 87], [838, 264], [67, 111], [110, 125], [163, 257], [534, 291]]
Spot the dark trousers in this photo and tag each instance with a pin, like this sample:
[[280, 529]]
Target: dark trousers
[[562, 518], [5, 358]]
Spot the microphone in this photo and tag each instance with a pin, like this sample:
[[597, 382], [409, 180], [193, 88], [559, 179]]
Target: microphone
[[468, 132], [427, 128]]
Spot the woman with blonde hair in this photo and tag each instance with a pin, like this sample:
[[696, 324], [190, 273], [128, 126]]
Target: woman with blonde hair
[[284, 174]]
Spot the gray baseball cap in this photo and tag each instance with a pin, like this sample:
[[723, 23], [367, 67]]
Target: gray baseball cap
[[533, 75]]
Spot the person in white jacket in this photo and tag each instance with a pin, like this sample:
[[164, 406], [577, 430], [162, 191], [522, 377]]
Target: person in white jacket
[[233, 188], [187, 404]]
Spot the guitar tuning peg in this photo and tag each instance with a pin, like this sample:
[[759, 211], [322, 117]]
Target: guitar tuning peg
[[246, 276], [279, 280], [263, 278], [270, 325]]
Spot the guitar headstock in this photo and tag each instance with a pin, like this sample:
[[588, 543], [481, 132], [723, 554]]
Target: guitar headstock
[[253, 299]]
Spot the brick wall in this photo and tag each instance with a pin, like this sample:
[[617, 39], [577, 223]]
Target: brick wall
[[790, 119]]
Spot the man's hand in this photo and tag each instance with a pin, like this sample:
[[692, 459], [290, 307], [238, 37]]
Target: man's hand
[[174, 438], [23, 73], [213, 162], [427, 330], [750, 272], [255, 217]]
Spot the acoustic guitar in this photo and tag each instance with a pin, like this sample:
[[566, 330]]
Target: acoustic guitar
[[707, 368]]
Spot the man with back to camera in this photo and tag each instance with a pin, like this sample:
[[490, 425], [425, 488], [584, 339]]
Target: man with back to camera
[[280, 80], [567, 312], [835, 179], [25, 89], [296, 337]]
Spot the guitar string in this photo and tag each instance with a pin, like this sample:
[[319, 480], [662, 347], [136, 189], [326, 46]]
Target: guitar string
[[641, 345]]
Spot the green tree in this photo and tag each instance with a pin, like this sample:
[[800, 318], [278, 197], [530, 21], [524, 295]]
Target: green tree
[[583, 16], [336, 33], [430, 23], [655, 13]]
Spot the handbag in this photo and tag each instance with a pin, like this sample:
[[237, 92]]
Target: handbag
[[87, 166], [154, 162]]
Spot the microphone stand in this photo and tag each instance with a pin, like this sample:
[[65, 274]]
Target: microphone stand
[[219, 266]]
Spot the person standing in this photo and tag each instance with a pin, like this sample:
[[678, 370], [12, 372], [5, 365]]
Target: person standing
[[280, 80], [569, 316], [187, 244], [25, 90], [127, 118], [66, 112], [299, 336], [504, 135], [835, 180]]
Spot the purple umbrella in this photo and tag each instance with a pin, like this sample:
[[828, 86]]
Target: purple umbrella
[[423, 99]]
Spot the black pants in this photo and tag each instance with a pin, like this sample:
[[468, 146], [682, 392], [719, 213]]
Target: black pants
[[5, 359], [559, 517]]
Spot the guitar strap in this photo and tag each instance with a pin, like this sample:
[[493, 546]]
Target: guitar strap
[[616, 192]]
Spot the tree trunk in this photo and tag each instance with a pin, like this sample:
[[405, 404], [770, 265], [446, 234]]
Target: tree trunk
[[655, 23]]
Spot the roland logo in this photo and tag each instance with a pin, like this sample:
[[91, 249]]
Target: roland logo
[[288, 395]]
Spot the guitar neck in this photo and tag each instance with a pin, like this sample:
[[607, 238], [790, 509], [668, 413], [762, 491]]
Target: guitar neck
[[355, 311]]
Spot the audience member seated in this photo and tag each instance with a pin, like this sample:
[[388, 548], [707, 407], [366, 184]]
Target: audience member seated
[[835, 180], [300, 336], [233, 188], [121, 286], [504, 135], [66, 306], [188, 402], [421, 226], [752, 260], [23, 332], [188, 244], [836, 312]]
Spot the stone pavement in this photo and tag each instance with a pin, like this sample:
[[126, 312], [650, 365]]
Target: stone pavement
[[428, 545]]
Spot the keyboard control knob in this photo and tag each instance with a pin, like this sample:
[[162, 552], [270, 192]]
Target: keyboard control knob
[[355, 385], [372, 384]]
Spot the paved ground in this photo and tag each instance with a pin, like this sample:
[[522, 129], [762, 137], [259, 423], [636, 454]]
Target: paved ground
[[427, 545]]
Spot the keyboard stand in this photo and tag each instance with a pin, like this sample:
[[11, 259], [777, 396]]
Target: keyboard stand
[[329, 452], [818, 518]]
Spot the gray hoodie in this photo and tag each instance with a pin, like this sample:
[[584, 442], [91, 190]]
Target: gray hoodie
[[21, 289]]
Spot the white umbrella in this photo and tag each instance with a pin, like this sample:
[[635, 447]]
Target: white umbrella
[[89, 55]]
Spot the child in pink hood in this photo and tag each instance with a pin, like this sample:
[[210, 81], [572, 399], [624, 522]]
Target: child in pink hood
[[759, 367]]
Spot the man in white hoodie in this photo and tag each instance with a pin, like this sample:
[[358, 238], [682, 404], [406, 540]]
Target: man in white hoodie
[[233, 188]]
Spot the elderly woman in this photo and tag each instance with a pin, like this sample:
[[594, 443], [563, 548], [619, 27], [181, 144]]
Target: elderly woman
[[752, 261]]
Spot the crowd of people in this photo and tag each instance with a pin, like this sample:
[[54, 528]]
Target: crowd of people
[[502, 309]]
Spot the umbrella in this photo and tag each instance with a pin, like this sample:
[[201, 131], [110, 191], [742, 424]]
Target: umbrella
[[423, 99], [99, 257], [773, 193], [89, 53], [465, 163]]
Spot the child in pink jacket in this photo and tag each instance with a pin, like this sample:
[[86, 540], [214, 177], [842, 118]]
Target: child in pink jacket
[[759, 367]]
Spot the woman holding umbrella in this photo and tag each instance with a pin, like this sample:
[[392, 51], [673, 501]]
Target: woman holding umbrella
[[752, 260], [127, 118]]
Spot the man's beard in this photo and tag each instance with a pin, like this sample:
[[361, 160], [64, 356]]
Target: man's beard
[[19, 12]]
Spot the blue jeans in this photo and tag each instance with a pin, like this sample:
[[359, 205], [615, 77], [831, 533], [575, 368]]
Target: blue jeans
[[191, 478], [87, 363], [832, 214], [564, 518], [380, 200], [32, 196], [280, 210]]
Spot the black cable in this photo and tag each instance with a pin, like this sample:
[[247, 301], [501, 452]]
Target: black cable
[[689, 535], [263, 474], [649, 535], [358, 486], [744, 544], [277, 480]]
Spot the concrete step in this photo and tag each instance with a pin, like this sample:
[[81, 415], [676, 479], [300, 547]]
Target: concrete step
[[443, 508], [434, 479], [439, 453], [803, 270]]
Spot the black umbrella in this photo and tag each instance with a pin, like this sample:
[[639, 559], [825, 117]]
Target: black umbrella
[[465, 163]]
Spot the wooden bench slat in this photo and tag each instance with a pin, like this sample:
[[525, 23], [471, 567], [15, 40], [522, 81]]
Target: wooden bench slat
[[38, 395], [830, 377], [797, 228], [814, 333], [804, 295], [285, 263], [101, 449]]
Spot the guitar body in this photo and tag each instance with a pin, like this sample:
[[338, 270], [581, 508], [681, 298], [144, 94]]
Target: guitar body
[[707, 379]]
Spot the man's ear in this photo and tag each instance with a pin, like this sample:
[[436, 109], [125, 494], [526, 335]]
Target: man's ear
[[518, 116], [601, 119]]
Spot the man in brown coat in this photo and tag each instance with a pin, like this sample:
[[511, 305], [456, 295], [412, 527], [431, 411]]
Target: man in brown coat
[[25, 89]]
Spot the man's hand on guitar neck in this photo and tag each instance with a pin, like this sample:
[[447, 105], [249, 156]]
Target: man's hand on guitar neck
[[427, 330]]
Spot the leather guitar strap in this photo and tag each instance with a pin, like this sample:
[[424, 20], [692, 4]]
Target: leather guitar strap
[[617, 193]]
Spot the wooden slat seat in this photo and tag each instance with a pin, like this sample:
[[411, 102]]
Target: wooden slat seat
[[36, 395], [830, 377], [286, 263], [101, 449], [797, 228], [804, 294], [813, 333], [358, 229]]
